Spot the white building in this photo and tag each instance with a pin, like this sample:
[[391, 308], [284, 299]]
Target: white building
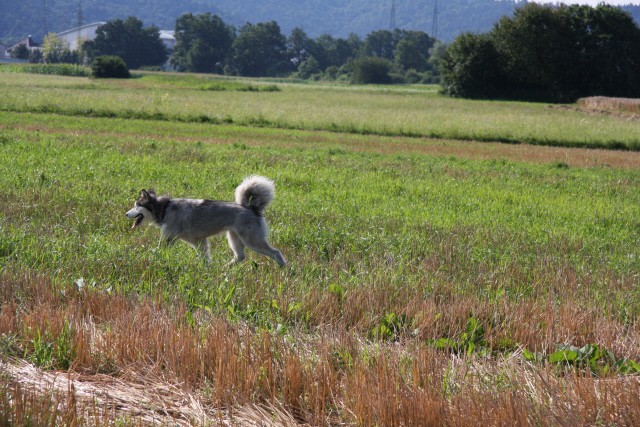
[[168, 37], [75, 36]]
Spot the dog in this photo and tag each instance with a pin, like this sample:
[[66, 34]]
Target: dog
[[194, 220]]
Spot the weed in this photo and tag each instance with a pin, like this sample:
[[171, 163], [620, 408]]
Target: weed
[[42, 351], [390, 327]]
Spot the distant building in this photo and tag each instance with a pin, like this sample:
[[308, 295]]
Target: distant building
[[75, 36], [28, 42], [3, 51], [168, 37]]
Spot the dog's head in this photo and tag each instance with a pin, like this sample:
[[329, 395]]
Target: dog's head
[[143, 209]]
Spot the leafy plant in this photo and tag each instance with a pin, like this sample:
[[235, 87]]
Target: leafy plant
[[598, 360], [470, 341], [390, 327]]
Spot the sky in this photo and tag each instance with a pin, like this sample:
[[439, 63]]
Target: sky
[[591, 2]]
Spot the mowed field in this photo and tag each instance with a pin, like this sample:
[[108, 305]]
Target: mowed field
[[451, 262]]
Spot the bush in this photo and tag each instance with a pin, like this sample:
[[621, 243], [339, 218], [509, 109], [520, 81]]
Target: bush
[[370, 70], [109, 67]]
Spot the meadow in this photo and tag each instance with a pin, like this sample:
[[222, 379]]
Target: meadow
[[450, 261]]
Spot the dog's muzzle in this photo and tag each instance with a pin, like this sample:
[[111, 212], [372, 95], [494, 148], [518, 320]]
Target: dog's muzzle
[[138, 217]]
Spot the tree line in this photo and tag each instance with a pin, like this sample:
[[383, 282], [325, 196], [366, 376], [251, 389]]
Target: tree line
[[546, 53], [206, 44], [541, 53]]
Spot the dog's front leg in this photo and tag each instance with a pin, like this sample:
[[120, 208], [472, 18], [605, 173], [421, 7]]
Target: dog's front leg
[[166, 241]]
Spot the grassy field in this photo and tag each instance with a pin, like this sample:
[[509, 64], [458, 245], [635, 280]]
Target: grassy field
[[431, 281], [392, 111]]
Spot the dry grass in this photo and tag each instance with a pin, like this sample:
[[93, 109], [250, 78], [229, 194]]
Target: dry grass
[[141, 360], [603, 103]]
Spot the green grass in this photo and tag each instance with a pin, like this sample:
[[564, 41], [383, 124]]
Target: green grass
[[345, 217], [395, 258], [389, 111]]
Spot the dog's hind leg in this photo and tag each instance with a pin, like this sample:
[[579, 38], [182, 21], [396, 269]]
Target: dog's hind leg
[[236, 246], [270, 251], [260, 245]]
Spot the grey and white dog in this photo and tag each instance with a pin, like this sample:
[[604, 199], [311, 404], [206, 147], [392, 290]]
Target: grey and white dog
[[194, 220]]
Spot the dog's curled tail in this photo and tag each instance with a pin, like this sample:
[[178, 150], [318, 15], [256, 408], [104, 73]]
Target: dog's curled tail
[[255, 192]]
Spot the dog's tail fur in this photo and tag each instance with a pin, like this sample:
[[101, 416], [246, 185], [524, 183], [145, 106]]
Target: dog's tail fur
[[256, 192]]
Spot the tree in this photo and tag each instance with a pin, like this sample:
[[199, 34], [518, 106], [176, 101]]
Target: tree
[[548, 53], [469, 67], [336, 52], [136, 45], [613, 40], [261, 50], [20, 52], [381, 44], [54, 50], [536, 49], [300, 46], [308, 68], [203, 43], [413, 51]]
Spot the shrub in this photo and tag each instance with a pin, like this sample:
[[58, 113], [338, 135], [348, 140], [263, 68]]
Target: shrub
[[109, 67], [370, 70]]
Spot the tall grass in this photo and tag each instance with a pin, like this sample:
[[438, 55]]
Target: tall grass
[[422, 289], [386, 111]]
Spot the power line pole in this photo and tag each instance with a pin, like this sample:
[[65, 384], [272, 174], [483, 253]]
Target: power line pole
[[80, 14], [434, 23], [392, 20]]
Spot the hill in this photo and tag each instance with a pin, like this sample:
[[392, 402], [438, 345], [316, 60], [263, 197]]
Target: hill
[[336, 17]]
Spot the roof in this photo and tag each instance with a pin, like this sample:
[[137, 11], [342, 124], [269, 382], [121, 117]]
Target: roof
[[167, 35], [72, 30]]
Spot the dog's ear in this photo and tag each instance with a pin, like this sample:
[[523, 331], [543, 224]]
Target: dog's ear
[[144, 194], [153, 193]]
